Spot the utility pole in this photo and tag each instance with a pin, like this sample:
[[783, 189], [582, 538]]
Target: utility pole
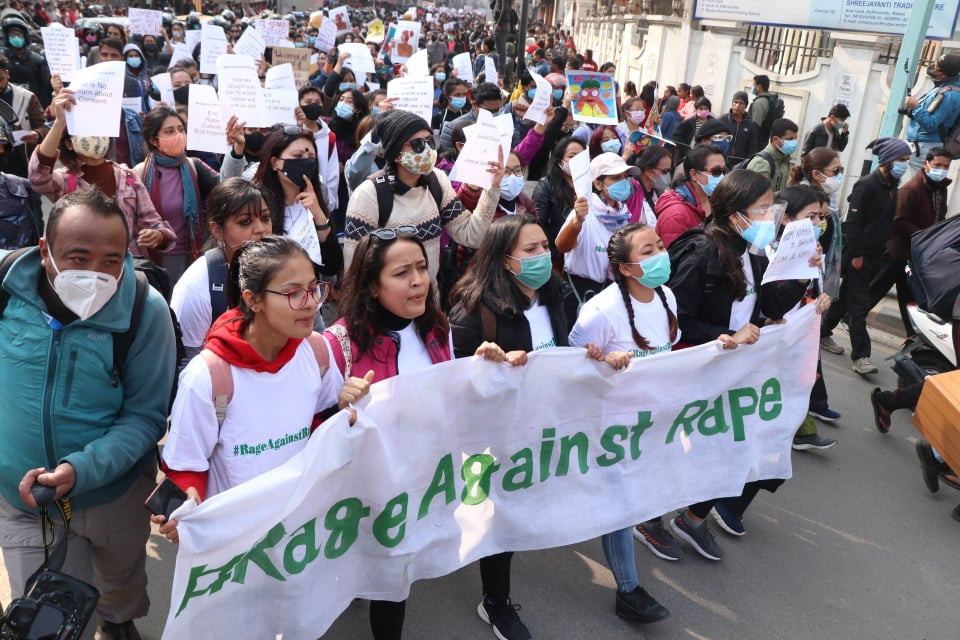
[[522, 37], [907, 65]]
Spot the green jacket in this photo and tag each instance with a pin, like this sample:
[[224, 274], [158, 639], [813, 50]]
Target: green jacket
[[781, 161], [58, 404]]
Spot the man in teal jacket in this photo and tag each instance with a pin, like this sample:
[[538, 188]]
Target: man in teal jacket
[[64, 424]]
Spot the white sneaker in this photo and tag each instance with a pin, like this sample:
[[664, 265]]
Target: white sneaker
[[863, 366]]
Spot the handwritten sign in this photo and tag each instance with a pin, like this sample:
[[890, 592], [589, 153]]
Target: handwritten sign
[[273, 31], [482, 147], [580, 173], [205, 128], [537, 112], [62, 50], [99, 93], [251, 43], [240, 92], [412, 94], [463, 66], [145, 22], [792, 260], [326, 36], [213, 44], [298, 59]]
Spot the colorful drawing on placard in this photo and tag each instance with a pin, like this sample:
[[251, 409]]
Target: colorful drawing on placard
[[594, 97]]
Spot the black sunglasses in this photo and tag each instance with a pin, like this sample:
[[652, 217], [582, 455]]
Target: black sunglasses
[[716, 172], [419, 144]]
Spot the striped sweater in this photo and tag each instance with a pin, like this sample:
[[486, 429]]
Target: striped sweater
[[418, 208]]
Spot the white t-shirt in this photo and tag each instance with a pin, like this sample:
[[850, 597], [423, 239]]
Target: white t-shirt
[[741, 311], [267, 422], [190, 300], [604, 321], [298, 224], [541, 329], [589, 258]]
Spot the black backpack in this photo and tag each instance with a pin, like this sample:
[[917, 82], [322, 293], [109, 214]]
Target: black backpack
[[384, 187], [147, 274], [775, 110], [763, 154]]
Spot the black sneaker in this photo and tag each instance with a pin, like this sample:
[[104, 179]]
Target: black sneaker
[[727, 520], [931, 468], [504, 620], [656, 538], [640, 606], [812, 441], [700, 538], [117, 631]]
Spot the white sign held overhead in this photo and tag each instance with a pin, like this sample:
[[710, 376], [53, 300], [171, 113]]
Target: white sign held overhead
[[412, 94], [206, 130], [418, 65], [463, 66], [360, 60], [251, 43], [280, 77], [213, 44], [481, 148], [181, 51], [99, 93], [537, 111], [145, 22], [165, 85], [280, 106], [240, 91], [62, 50], [792, 260], [490, 70], [326, 36], [580, 173], [340, 17], [273, 31]]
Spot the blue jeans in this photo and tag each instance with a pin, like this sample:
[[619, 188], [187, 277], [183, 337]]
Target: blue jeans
[[618, 548]]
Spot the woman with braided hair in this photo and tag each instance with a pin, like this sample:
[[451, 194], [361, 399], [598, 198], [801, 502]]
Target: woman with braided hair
[[634, 317]]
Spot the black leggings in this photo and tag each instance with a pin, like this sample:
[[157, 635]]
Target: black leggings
[[386, 618]]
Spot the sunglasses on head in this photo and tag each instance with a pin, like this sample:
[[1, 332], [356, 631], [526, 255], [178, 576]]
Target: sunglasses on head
[[290, 129], [420, 144], [394, 232]]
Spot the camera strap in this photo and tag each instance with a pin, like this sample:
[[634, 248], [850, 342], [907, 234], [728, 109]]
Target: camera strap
[[54, 558]]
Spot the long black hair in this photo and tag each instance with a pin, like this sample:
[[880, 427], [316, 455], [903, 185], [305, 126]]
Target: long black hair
[[618, 252], [555, 174], [230, 197], [273, 146]]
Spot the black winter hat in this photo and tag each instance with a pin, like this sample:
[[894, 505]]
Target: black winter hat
[[394, 127], [712, 127], [949, 64]]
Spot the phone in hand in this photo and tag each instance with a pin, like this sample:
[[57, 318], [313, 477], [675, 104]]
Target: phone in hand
[[165, 499]]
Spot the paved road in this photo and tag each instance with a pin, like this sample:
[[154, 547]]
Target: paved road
[[853, 547]]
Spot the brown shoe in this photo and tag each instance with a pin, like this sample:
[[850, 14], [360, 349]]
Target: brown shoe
[[881, 415]]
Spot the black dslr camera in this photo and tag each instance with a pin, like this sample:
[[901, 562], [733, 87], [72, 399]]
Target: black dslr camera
[[55, 606]]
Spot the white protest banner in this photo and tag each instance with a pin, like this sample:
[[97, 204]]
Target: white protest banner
[[280, 77], [481, 148], [62, 50], [299, 61], [251, 43], [145, 22], [99, 93], [418, 65], [326, 36], [165, 85], [206, 129], [792, 260], [490, 70], [340, 17], [240, 92], [360, 60], [463, 66], [181, 51], [537, 111], [580, 173], [495, 458], [272, 31], [504, 123], [213, 44], [412, 94], [280, 106]]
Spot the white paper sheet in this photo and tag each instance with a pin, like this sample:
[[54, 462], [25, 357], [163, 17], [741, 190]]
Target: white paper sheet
[[62, 50], [240, 91], [280, 77], [490, 70], [273, 31], [251, 43], [146, 22], [580, 173], [213, 44], [280, 106], [412, 94], [464, 66], [99, 93], [541, 100], [792, 260], [482, 147], [418, 65], [360, 60], [165, 85], [181, 51], [206, 130]]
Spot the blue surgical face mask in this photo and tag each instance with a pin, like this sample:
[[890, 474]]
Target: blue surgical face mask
[[440, 77], [817, 230], [656, 270], [458, 102], [535, 271], [712, 182], [759, 233], [531, 93], [347, 85], [898, 169], [313, 40], [558, 94], [789, 147], [612, 145], [937, 175], [510, 187], [620, 190], [840, 124], [134, 62], [375, 111], [17, 42], [723, 145], [344, 110]]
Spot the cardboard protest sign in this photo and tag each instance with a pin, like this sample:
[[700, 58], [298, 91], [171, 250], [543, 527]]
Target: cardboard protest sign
[[298, 59], [145, 22], [205, 128], [594, 97], [99, 93]]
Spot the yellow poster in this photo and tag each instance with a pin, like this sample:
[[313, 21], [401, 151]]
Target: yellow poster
[[375, 31]]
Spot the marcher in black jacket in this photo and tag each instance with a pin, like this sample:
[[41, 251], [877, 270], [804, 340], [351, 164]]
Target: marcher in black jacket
[[873, 204], [833, 131], [744, 130], [554, 195]]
